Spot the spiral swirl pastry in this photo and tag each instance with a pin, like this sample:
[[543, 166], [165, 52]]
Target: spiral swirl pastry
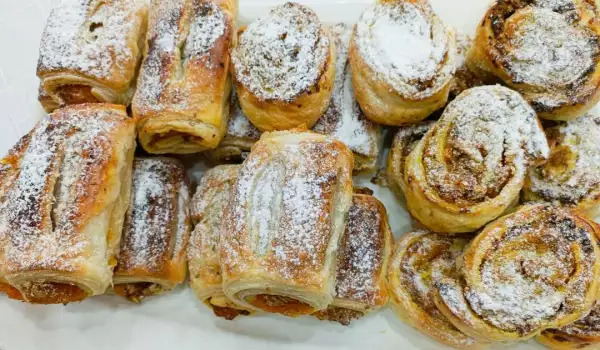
[[395, 85], [547, 50], [419, 259], [571, 176], [535, 269], [583, 334], [471, 165]]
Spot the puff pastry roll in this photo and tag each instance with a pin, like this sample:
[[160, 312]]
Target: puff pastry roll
[[419, 259], [182, 100], [549, 51], [65, 194], [90, 52], [156, 231], [208, 206], [580, 335], [344, 119], [535, 269], [283, 225], [363, 256], [471, 165], [284, 67], [571, 176], [402, 59]]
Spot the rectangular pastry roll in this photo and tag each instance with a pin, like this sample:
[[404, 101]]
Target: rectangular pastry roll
[[156, 230], [64, 192], [90, 51], [282, 227], [182, 100], [362, 262], [208, 205]]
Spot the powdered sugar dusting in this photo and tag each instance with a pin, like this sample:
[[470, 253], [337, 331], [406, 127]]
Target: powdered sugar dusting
[[91, 37], [239, 125], [384, 33], [492, 136], [281, 55]]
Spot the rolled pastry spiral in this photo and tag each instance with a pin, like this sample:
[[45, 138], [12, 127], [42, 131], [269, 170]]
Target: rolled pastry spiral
[[583, 334], [572, 174], [535, 269], [419, 258], [549, 51], [471, 165], [402, 60]]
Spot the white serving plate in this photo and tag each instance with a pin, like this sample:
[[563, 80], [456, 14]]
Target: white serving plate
[[177, 320]]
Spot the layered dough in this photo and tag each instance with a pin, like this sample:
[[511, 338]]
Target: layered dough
[[284, 223], [65, 190], [549, 51], [580, 335], [156, 231], [535, 269], [182, 100], [402, 58], [284, 65], [90, 52], [208, 207], [470, 166], [363, 256]]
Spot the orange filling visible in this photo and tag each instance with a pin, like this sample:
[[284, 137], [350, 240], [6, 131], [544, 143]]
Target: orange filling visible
[[11, 291], [75, 94], [53, 293], [135, 292], [281, 305]]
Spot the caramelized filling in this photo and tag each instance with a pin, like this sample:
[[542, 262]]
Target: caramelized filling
[[11, 291], [281, 305], [75, 94], [338, 314], [135, 292], [53, 293], [228, 313], [172, 134]]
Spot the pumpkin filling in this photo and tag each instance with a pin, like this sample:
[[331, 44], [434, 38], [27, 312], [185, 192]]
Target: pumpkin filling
[[52, 293], [281, 305]]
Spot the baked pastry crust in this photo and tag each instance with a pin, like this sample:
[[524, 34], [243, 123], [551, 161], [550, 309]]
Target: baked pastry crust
[[65, 190], [470, 167], [90, 52], [208, 204], [571, 176], [277, 90], [535, 269], [363, 256], [156, 230], [549, 51], [182, 100], [419, 259], [284, 222], [393, 85], [580, 335]]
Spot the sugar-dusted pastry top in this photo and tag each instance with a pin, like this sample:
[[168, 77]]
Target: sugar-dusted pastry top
[[57, 180], [239, 126], [187, 46], [572, 173], [281, 55], [157, 221], [93, 37], [344, 119], [407, 46]]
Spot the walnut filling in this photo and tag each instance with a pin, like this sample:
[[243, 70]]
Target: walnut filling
[[338, 314], [281, 305], [228, 313], [76, 94], [52, 293], [135, 292]]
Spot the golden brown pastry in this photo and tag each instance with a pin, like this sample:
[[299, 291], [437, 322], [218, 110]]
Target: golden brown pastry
[[65, 189], [284, 67], [464, 78], [344, 119], [156, 230], [402, 60], [535, 269], [182, 100], [285, 218], [363, 257], [419, 259], [571, 176], [549, 51], [580, 335], [90, 52], [471, 165], [208, 206]]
